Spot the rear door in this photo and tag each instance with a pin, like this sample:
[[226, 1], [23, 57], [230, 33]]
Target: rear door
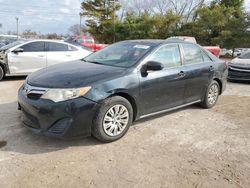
[[199, 72], [31, 59], [164, 89], [60, 53]]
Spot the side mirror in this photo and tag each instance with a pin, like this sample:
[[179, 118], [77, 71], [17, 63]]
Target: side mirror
[[17, 50], [151, 66], [154, 66]]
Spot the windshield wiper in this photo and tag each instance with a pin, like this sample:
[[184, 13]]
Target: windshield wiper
[[95, 62]]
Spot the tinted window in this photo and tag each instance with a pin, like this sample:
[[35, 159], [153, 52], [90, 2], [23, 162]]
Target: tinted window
[[57, 47], [33, 47], [168, 55], [192, 54]]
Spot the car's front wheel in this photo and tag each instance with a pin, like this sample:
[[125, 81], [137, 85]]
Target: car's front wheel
[[112, 119], [211, 95], [1, 73]]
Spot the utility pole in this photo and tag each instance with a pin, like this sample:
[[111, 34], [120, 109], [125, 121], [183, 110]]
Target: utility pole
[[80, 25], [17, 34]]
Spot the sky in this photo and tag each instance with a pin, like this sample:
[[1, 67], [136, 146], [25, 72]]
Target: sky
[[44, 16]]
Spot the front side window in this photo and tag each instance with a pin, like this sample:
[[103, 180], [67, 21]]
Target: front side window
[[192, 54], [124, 54], [168, 55], [34, 47], [57, 47]]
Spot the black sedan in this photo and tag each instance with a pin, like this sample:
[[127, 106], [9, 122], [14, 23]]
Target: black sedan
[[104, 93], [239, 68]]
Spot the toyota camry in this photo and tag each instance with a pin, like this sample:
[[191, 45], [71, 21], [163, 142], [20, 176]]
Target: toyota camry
[[104, 93]]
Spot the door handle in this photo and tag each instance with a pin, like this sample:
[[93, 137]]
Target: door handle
[[40, 55], [211, 68], [181, 74], [68, 55]]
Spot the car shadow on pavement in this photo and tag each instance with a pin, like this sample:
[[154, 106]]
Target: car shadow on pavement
[[19, 139], [13, 78]]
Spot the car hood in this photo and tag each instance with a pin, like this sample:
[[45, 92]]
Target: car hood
[[73, 75], [241, 61]]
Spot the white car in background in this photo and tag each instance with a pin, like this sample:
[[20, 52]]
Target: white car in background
[[25, 57]]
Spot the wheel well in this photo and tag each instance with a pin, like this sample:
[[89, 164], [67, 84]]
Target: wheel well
[[2, 66], [131, 100], [220, 84]]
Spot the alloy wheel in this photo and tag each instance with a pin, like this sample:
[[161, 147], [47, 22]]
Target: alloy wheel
[[115, 120], [213, 94]]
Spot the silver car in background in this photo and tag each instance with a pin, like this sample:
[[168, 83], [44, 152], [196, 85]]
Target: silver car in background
[[25, 57]]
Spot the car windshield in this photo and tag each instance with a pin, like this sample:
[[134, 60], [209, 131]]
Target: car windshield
[[124, 54], [245, 55], [8, 46]]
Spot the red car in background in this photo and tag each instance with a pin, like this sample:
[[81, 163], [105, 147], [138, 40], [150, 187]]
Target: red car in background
[[89, 42]]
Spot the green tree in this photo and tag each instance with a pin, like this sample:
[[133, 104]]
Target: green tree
[[101, 18], [222, 23]]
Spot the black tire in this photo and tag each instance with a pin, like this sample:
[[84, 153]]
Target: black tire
[[1, 73], [98, 128], [206, 103]]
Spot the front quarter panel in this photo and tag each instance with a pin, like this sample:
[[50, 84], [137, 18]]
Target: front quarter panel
[[127, 84]]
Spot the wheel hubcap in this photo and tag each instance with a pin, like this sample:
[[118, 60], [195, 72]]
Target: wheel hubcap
[[115, 120], [213, 94]]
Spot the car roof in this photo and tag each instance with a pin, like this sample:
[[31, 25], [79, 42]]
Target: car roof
[[156, 42]]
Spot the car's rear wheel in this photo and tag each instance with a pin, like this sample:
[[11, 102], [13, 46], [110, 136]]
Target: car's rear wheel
[[211, 95], [112, 119], [1, 73]]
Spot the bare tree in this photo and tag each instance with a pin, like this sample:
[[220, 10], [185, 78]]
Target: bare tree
[[186, 8]]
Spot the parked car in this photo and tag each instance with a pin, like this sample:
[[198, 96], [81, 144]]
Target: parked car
[[87, 41], [239, 68], [7, 39], [115, 86], [25, 57], [215, 50]]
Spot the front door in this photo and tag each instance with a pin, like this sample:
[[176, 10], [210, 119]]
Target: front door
[[163, 89], [30, 60]]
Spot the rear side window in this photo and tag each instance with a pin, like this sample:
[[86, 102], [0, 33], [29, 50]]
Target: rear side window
[[168, 55], [192, 54], [205, 57], [71, 48], [34, 47], [57, 47]]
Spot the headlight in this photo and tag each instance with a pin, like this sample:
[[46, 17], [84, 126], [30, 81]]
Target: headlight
[[58, 95]]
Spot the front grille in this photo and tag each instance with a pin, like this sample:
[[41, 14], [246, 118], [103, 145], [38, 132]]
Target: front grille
[[34, 96], [239, 74]]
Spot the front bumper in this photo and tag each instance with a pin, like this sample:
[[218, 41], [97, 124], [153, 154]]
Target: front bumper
[[67, 119], [238, 73]]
